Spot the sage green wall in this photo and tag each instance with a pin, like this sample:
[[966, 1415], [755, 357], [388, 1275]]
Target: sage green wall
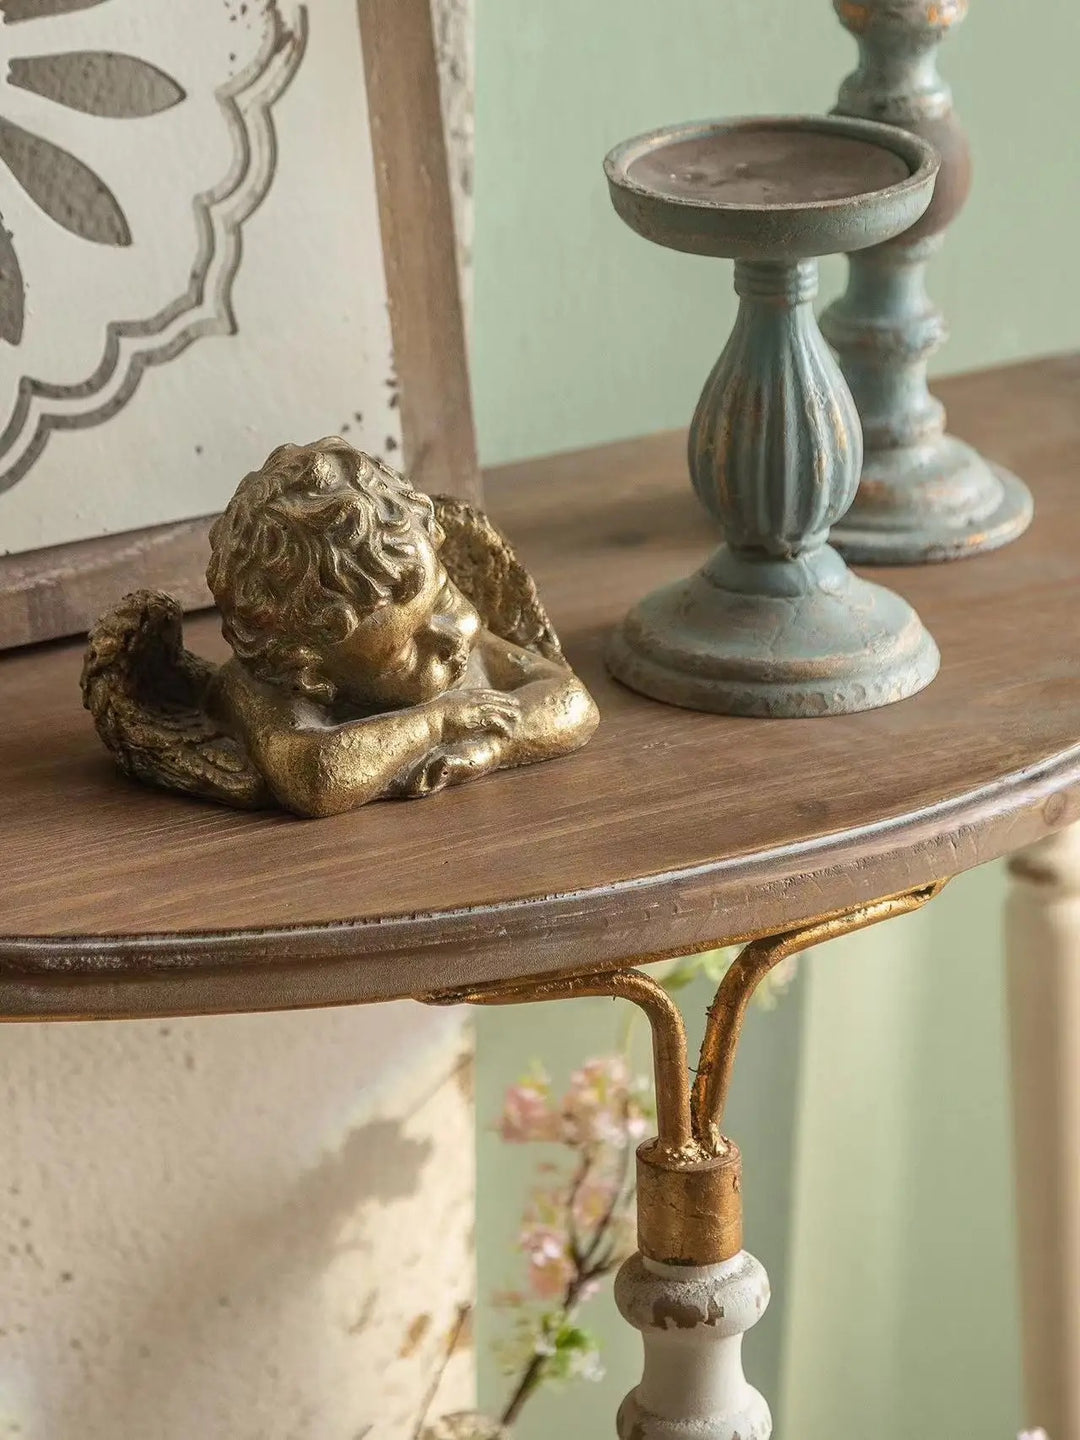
[[583, 332], [872, 1107]]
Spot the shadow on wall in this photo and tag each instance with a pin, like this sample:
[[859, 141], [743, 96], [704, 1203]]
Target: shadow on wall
[[237, 1227], [258, 1259]]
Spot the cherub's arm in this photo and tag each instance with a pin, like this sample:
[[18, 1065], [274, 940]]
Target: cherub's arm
[[317, 769], [558, 714], [555, 715], [321, 770]]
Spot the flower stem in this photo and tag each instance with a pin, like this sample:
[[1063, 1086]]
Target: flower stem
[[463, 1313], [530, 1379], [585, 1272], [533, 1373]]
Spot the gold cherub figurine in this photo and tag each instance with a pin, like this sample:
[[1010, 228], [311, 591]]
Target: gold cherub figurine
[[384, 644]]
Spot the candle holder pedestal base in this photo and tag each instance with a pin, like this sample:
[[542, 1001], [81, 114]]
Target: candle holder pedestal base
[[924, 495], [937, 502], [774, 638]]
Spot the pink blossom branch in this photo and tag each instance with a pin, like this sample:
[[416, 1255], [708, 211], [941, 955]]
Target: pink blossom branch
[[571, 1235]]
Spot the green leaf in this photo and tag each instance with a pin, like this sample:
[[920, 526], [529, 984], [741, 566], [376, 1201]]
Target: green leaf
[[681, 974], [574, 1354], [571, 1337], [711, 965], [716, 963]]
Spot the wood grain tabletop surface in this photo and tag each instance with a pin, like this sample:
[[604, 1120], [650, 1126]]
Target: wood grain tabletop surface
[[672, 831]]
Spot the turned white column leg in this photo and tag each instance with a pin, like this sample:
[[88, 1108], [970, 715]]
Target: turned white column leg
[[692, 1320], [1043, 948]]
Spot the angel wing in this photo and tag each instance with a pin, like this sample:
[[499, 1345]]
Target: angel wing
[[147, 695], [482, 565]]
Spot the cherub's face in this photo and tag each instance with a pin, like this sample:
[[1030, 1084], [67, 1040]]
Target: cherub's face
[[411, 649]]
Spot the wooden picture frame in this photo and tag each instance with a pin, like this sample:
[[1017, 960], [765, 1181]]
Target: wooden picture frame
[[59, 589]]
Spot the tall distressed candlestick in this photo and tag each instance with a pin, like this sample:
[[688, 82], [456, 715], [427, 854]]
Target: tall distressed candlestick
[[924, 494], [774, 624]]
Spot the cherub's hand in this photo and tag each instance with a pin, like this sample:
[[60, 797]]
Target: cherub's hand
[[451, 765], [462, 713], [469, 729]]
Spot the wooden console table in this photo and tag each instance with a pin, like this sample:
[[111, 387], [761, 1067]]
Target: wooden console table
[[673, 831]]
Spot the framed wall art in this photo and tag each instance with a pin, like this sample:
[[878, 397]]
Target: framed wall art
[[225, 224]]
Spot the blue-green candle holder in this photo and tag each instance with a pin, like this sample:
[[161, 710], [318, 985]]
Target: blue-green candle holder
[[924, 495], [774, 623]]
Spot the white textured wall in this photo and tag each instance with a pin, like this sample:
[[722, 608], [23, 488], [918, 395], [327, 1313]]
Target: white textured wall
[[246, 1228]]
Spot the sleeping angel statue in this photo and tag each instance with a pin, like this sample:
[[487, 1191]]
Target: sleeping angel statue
[[384, 645]]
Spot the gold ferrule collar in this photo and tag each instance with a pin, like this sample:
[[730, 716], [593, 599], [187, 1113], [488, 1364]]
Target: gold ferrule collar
[[689, 1212]]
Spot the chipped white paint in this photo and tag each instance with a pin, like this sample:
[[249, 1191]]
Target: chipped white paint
[[455, 41], [247, 1228], [692, 1320], [1043, 940]]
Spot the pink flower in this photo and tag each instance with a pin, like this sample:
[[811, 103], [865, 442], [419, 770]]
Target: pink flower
[[547, 1249], [604, 1106], [594, 1200], [527, 1114], [588, 1208], [602, 1201]]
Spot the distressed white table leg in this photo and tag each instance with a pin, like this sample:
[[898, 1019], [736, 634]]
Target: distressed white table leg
[[1043, 946], [692, 1320]]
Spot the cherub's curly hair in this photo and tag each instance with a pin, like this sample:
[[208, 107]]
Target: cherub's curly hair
[[308, 547]]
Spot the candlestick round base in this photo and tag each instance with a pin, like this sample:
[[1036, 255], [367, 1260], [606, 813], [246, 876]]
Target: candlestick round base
[[937, 502], [785, 638]]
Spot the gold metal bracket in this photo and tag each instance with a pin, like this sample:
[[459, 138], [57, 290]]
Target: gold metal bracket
[[665, 1020], [728, 1011], [689, 1177]]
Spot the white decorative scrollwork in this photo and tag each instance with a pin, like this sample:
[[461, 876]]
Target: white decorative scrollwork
[[136, 142]]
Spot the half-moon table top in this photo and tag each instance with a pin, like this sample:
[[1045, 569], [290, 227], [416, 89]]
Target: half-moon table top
[[671, 831]]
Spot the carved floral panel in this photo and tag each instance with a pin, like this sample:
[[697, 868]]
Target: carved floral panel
[[190, 258]]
